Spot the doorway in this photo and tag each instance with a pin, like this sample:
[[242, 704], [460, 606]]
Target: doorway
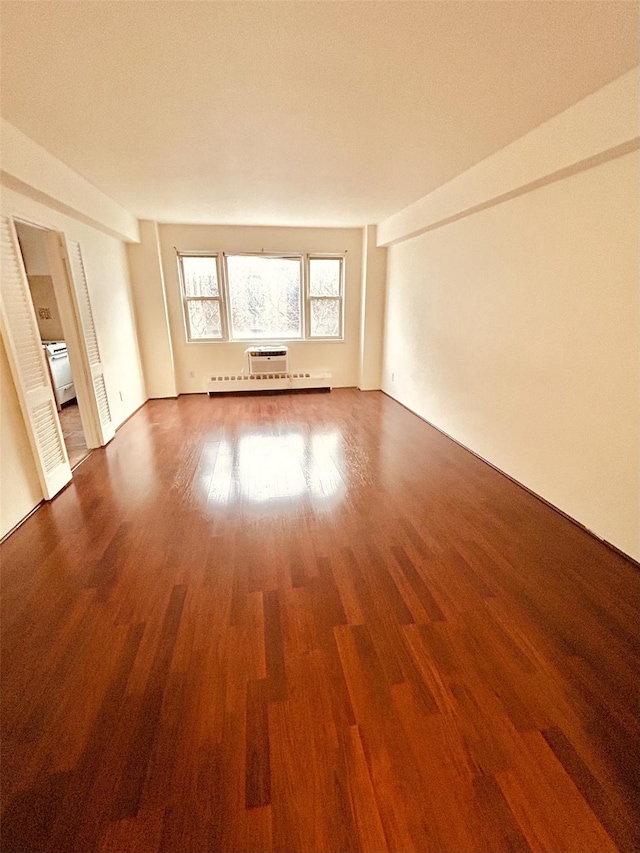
[[32, 240]]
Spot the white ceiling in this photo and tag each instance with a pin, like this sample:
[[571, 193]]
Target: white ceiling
[[300, 113]]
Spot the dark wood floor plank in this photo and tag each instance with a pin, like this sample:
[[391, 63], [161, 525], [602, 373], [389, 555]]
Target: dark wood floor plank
[[310, 794], [420, 588], [392, 767], [549, 808], [132, 781], [274, 647], [493, 821], [26, 822], [366, 813], [312, 623], [627, 838], [143, 832], [69, 821], [258, 767], [382, 582]]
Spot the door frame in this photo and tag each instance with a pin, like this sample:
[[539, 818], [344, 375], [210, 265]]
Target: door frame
[[29, 367], [74, 336], [62, 288], [66, 302]]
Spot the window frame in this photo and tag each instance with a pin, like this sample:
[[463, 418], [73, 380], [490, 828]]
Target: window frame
[[288, 256], [220, 299], [322, 256], [224, 298]]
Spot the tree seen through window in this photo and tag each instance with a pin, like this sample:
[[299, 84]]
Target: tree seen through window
[[264, 296]]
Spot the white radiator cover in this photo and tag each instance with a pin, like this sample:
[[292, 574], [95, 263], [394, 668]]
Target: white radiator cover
[[267, 382]]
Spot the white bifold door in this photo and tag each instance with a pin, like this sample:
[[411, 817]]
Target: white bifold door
[[28, 366], [90, 372], [27, 359]]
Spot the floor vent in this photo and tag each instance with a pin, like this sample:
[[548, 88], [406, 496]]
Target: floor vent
[[225, 383]]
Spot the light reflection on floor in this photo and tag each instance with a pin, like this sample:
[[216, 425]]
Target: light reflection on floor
[[272, 470], [137, 468]]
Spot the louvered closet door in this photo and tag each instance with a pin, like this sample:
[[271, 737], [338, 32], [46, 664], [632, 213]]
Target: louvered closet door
[[93, 361], [28, 366]]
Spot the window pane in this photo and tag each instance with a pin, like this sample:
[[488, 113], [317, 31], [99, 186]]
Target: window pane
[[200, 277], [264, 297], [325, 318], [204, 319], [324, 276]]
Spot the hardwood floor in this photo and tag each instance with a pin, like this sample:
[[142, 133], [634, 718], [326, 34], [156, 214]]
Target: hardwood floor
[[73, 433], [312, 623]]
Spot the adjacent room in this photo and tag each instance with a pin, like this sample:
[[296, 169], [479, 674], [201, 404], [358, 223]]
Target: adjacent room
[[338, 306]]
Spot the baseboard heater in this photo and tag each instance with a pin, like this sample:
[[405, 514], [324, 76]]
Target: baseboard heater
[[267, 382]]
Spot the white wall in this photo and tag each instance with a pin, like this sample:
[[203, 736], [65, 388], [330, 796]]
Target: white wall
[[108, 281], [202, 359], [605, 121], [150, 301], [374, 272], [19, 484], [30, 170], [515, 330]]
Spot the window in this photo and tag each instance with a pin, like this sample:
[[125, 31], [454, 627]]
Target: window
[[264, 296], [201, 297], [251, 297], [325, 297]]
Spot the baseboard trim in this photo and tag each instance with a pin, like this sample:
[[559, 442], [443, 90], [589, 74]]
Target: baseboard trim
[[561, 512], [128, 418], [22, 521], [77, 465]]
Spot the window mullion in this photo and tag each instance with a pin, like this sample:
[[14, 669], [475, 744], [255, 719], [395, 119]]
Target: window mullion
[[224, 294], [307, 304]]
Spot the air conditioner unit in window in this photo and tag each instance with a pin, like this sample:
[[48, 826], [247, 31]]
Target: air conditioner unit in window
[[267, 360]]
